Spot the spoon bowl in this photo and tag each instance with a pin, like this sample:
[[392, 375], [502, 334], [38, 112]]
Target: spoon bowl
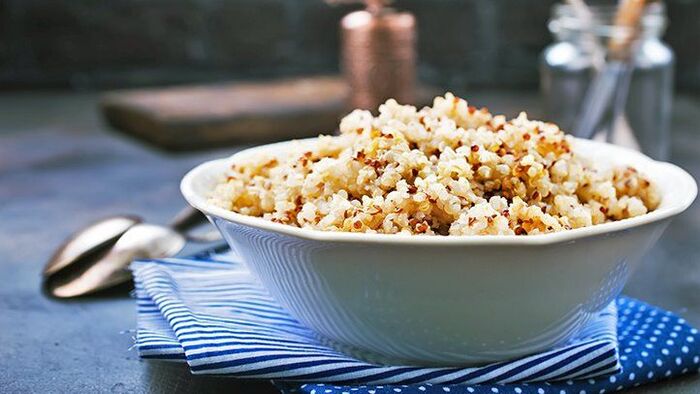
[[98, 256], [141, 241], [91, 240]]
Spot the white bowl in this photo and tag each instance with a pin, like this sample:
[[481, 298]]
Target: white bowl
[[457, 300]]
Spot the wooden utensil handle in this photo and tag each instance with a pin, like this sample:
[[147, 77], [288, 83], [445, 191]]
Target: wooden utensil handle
[[628, 16]]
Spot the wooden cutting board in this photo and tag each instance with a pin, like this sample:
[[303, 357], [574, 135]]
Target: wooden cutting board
[[210, 116], [207, 116]]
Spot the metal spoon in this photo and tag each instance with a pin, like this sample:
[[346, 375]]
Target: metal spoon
[[142, 241], [107, 266], [90, 240]]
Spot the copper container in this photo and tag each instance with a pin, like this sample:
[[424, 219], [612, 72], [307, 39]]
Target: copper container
[[378, 56]]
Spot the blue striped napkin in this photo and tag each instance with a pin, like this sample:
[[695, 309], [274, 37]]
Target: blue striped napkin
[[208, 311]]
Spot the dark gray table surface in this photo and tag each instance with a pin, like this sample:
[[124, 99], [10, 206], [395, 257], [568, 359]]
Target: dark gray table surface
[[60, 168]]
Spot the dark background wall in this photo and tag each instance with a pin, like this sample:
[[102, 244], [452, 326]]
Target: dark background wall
[[118, 43]]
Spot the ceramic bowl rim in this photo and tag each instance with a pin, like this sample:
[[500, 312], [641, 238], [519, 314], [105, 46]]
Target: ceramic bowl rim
[[686, 186]]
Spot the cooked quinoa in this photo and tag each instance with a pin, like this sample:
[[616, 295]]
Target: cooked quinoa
[[449, 169]]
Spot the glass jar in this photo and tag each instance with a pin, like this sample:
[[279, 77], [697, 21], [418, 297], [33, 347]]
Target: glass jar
[[568, 65]]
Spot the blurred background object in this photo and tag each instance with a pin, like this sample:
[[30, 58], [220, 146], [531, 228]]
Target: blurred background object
[[213, 115], [252, 49], [644, 93], [378, 55], [129, 43]]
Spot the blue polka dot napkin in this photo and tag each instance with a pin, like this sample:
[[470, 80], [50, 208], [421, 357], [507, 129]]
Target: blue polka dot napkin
[[208, 311]]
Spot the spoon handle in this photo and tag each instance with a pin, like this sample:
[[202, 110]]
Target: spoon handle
[[187, 219]]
